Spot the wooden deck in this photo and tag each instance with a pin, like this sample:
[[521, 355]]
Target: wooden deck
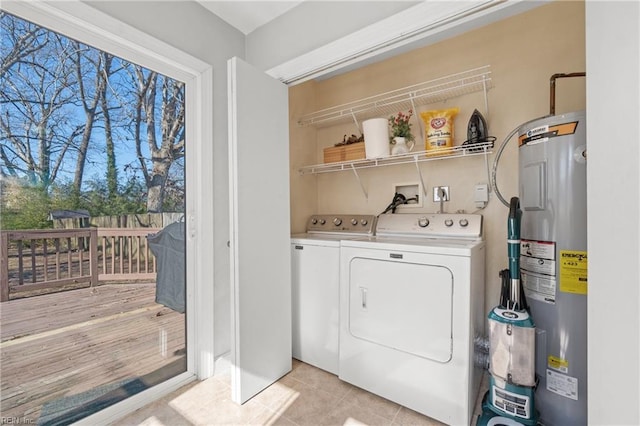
[[70, 348]]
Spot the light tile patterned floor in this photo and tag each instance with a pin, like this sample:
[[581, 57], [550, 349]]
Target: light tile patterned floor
[[305, 396]]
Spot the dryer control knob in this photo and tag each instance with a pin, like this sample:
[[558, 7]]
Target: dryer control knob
[[337, 221], [364, 222], [464, 222], [314, 221], [448, 222], [423, 222], [354, 222], [322, 221]]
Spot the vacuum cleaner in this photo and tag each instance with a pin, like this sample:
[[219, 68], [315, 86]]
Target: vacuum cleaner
[[510, 398]]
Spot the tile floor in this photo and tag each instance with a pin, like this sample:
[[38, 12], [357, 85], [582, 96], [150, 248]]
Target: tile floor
[[305, 396]]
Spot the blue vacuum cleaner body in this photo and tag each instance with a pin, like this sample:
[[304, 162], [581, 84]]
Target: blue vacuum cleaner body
[[510, 399]]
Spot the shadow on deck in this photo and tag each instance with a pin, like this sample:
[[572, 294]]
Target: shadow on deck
[[66, 355]]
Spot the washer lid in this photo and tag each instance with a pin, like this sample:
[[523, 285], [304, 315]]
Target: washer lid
[[328, 240]]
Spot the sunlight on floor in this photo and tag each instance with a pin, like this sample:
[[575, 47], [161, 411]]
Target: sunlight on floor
[[153, 421], [305, 396], [353, 422]]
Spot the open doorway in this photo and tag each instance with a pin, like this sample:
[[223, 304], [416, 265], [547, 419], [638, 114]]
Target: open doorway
[[93, 145]]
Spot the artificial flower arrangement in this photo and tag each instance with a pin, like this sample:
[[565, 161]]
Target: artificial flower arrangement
[[400, 126]]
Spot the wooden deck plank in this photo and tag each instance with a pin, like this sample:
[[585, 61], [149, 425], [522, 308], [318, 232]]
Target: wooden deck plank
[[21, 317], [81, 340]]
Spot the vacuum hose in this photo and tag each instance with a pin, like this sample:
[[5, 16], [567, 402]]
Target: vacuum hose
[[513, 238], [513, 249]]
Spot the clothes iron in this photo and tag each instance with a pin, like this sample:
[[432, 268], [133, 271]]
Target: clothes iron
[[477, 131]]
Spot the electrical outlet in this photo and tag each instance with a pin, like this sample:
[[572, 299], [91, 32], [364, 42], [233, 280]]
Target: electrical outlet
[[411, 191], [440, 190]]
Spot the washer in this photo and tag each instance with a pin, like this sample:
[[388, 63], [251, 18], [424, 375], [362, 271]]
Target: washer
[[315, 273], [411, 303]]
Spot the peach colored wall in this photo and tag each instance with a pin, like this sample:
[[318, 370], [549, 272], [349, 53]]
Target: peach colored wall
[[523, 52]]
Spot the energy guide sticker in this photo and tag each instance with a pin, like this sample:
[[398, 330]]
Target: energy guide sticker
[[573, 271]]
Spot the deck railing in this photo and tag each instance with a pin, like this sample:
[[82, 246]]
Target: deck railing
[[35, 260]]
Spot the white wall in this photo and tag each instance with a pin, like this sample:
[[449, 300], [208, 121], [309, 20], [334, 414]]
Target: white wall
[[193, 29], [311, 25], [613, 200]]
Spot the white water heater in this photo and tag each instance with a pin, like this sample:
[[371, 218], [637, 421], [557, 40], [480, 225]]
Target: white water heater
[[553, 261]]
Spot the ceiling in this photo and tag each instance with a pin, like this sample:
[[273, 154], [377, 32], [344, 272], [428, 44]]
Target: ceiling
[[246, 16]]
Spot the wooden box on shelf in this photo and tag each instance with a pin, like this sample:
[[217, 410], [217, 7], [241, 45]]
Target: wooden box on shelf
[[353, 151]]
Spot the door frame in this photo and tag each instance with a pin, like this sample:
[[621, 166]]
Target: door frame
[[82, 22]]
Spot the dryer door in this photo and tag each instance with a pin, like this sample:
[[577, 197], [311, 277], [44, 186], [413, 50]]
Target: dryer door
[[401, 305]]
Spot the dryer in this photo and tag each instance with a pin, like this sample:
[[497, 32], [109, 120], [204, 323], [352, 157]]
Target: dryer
[[411, 303]]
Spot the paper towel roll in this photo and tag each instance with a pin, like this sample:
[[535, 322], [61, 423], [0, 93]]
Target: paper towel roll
[[376, 137]]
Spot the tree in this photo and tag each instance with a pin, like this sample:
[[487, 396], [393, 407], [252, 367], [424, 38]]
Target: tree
[[24, 39], [24, 206], [112, 171], [63, 102], [37, 95], [88, 67], [171, 132]]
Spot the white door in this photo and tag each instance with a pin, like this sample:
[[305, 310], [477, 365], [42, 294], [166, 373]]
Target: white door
[[260, 230]]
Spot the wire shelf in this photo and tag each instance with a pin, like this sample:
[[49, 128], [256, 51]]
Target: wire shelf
[[389, 103], [411, 157]]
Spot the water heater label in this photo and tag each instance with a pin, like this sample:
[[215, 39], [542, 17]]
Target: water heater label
[[562, 384], [538, 249], [573, 271], [544, 133], [539, 287], [538, 265], [562, 365]]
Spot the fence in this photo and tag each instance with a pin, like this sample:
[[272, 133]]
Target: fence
[[143, 220], [36, 260]]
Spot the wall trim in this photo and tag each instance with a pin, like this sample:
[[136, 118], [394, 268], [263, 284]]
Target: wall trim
[[425, 23]]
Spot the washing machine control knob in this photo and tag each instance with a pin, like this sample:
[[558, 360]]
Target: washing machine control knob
[[314, 221], [364, 222], [423, 222], [448, 222], [322, 221], [463, 222], [354, 222], [337, 221]]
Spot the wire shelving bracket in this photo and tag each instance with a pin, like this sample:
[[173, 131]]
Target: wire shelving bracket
[[389, 103], [410, 157]]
